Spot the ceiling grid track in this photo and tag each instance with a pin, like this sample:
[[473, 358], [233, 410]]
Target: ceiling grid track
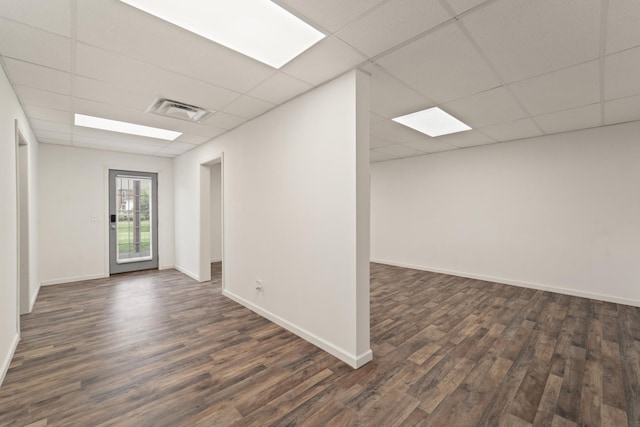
[[434, 29], [512, 69], [74, 47], [603, 55], [489, 64]]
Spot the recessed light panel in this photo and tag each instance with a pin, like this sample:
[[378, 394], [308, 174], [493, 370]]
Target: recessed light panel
[[433, 122], [259, 29], [124, 127]]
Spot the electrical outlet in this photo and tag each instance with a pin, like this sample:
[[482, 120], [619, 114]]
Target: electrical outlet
[[259, 285]]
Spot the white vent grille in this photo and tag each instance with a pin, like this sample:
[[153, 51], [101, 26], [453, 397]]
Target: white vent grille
[[179, 110]]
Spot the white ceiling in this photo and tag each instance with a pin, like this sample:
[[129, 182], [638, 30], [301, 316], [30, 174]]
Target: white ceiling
[[511, 69]]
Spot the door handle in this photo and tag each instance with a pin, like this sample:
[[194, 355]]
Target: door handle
[[113, 226]]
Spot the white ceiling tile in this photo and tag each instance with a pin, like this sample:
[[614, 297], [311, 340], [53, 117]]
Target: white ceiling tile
[[96, 90], [460, 6], [176, 148], [43, 98], [390, 98], [430, 145], [470, 138], [577, 118], [177, 145], [48, 114], [621, 74], [327, 59], [167, 155], [33, 45], [171, 152], [518, 129], [54, 141], [123, 147], [225, 121], [524, 38], [374, 118], [394, 132], [89, 134], [375, 142], [127, 73], [50, 15], [208, 131], [377, 156], [330, 14], [203, 131], [192, 139], [398, 150], [392, 23], [623, 28], [279, 88], [486, 108], [112, 112], [546, 49], [622, 110], [38, 77], [248, 107], [560, 90], [48, 134], [117, 27], [443, 66], [37, 124]]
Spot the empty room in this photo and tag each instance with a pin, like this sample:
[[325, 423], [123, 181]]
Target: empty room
[[328, 212]]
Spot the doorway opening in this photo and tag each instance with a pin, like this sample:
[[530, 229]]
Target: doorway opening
[[212, 220], [216, 212], [22, 203], [216, 219], [133, 221]]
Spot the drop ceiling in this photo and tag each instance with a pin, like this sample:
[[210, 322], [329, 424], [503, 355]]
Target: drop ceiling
[[510, 69]]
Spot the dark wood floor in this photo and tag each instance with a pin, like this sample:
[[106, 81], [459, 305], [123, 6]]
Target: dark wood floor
[[159, 349]]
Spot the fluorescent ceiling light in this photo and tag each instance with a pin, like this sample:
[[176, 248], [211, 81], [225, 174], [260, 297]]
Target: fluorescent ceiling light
[[124, 127], [257, 28], [433, 122]]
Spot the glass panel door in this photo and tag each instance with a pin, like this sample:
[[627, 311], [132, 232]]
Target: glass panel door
[[133, 222], [133, 218]]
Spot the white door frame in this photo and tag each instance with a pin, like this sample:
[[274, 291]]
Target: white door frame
[[105, 208], [153, 263], [204, 267], [22, 225]]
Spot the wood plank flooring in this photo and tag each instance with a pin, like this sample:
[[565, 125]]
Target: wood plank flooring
[[158, 349]]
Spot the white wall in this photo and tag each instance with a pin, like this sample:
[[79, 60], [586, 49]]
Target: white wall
[[10, 110], [216, 212], [73, 188], [295, 186], [558, 212]]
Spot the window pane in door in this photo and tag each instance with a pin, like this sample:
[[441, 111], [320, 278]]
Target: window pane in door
[[134, 214]]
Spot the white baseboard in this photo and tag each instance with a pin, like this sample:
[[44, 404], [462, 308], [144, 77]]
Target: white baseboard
[[7, 358], [32, 303], [348, 358], [73, 279], [187, 272], [363, 359], [529, 285], [166, 267]]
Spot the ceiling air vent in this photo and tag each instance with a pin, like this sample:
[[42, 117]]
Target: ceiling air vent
[[179, 110]]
